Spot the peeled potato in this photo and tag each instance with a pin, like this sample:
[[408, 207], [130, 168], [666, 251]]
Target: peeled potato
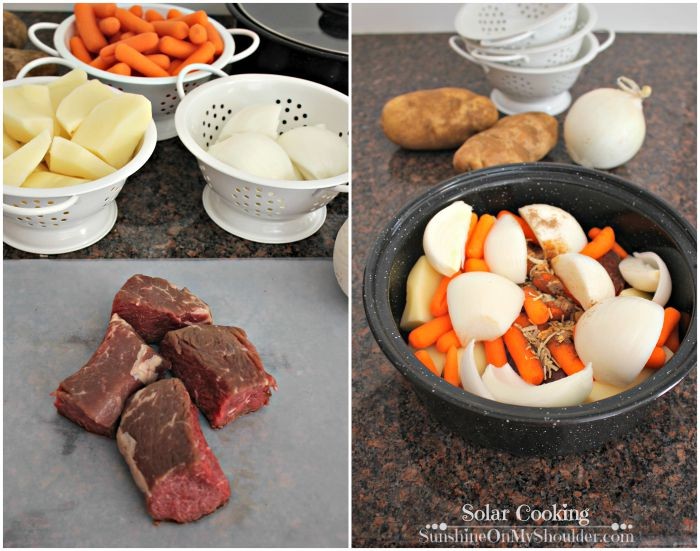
[[27, 112], [43, 179], [80, 101], [317, 153], [20, 164], [70, 159], [256, 154], [421, 285], [62, 86], [9, 145], [262, 118]]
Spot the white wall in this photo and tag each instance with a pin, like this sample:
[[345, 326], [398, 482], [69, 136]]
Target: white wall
[[428, 18]]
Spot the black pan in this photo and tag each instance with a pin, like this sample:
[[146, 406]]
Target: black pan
[[642, 222]]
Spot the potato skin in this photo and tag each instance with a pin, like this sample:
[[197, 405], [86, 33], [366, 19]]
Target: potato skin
[[14, 59], [525, 137], [14, 31], [441, 118]]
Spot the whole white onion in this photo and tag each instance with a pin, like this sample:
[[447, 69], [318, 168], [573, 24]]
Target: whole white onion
[[605, 128]]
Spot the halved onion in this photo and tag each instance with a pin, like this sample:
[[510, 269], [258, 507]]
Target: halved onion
[[584, 277], [648, 272], [505, 249], [469, 373], [556, 230], [445, 237]]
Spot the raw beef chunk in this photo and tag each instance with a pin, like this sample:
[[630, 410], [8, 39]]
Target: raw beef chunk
[[154, 306], [162, 442], [94, 396], [221, 369]]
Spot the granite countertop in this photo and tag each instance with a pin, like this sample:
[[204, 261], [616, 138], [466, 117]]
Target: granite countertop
[[161, 213], [407, 469]]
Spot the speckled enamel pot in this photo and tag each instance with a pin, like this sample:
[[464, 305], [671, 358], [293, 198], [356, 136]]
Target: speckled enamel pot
[[642, 222]]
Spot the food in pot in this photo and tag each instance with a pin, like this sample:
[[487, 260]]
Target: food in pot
[[221, 369], [442, 118], [95, 395], [162, 442], [525, 137], [561, 331]]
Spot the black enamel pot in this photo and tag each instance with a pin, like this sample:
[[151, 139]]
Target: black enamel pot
[[642, 222]]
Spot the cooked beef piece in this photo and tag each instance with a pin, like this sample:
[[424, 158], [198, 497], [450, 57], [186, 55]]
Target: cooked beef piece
[[162, 442], [611, 262], [221, 369], [94, 396], [154, 306]]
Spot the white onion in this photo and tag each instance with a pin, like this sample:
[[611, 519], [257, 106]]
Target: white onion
[[584, 277], [445, 237], [556, 230], [605, 128], [662, 291], [639, 274], [505, 249], [469, 373], [262, 118], [256, 154], [317, 153]]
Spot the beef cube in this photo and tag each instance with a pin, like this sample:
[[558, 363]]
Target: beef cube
[[154, 306], [171, 462], [611, 262], [94, 396], [221, 369]]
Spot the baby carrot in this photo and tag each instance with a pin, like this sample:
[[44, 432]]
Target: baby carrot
[[176, 48], [109, 26], [674, 340], [194, 18], [619, 251], [174, 64], [86, 24], [153, 15], [138, 62], [176, 29], [527, 230], [565, 355], [424, 358], [472, 224], [601, 244], [104, 10], [162, 60], [657, 358], [103, 63], [438, 304], [78, 49], [526, 361], [536, 309], [427, 334], [213, 37], [475, 247], [447, 340], [174, 14], [671, 319], [496, 352], [139, 42], [136, 10], [133, 23], [203, 54], [476, 265], [451, 371], [522, 320], [198, 34], [120, 69]]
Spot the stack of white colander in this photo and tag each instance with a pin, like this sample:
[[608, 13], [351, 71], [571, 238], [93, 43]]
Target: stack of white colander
[[532, 54]]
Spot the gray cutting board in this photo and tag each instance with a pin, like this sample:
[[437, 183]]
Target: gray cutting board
[[287, 463]]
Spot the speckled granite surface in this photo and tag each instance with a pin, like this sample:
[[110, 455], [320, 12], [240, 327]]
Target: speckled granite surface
[[407, 470], [161, 213]]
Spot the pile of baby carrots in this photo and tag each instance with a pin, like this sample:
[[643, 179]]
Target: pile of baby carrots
[[142, 43], [439, 331]]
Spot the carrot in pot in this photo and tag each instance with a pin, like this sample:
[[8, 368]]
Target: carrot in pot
[[198, 34], [176, 29], [472, 224], [536, 309], [109, 26], [214, 37], [525, 359], [672, 318], [162, 60], [565, 355], [176, 48], [674, 340], [438, 304], [447, 340], [601, 244], [194, 18], [451, 370], [424, 358], [174, 14], [619, 251], [133, 23], [427, 334], [475, 247], [496, 352], [86, 24], [657, 358], [204, 54], [120, 69], [527, 230], [138, 62], [153, 15], [78, 49], [139, 42], [136, 10], [476, 265], [104, 10]]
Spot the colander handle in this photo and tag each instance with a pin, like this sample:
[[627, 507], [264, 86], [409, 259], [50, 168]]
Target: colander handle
[[608, 41], [195, 67], [456, 44], [31, 32], [31, 211], [499, 58], [249, 50], [43, 61], [507, 41]]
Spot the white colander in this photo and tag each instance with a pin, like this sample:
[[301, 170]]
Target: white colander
[[549, 55], [62, 220], [524, 24], [160, 92], [259, 209], [523, 89]]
